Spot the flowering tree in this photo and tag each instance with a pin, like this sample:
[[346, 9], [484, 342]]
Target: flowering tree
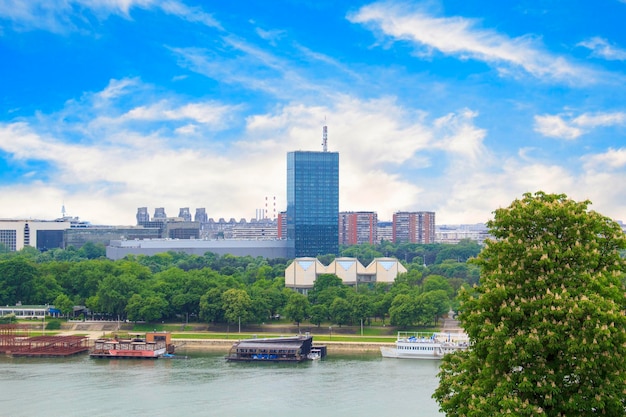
[[547, 322]]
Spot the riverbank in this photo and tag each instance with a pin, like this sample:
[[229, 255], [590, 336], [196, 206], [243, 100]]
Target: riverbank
[[223, 345], [217, 344], [190, 340]]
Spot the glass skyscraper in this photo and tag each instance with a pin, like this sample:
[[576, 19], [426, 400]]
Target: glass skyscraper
[[313, 203]]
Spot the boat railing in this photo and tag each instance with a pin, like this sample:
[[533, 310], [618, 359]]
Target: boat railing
[[435, 337]]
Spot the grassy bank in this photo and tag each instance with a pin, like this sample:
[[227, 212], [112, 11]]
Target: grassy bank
[[318, 338]]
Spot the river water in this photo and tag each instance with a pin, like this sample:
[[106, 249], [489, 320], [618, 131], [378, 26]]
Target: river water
[[207, 385]]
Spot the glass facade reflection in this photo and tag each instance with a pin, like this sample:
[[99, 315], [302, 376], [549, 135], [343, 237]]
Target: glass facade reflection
[[313, 203]]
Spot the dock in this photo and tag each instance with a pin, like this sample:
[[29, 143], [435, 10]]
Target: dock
[[51, 346], [15, 340]]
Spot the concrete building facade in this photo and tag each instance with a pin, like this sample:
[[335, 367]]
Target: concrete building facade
[[40, 234], [270, 249], [359, 227], [301, 274], [414, 227]]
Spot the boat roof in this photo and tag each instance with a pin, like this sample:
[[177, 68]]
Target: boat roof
[[249, 344]]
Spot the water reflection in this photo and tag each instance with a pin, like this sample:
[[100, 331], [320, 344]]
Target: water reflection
[[205, 384]]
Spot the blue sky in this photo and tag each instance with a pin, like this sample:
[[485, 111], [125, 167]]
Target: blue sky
[[457, 107]]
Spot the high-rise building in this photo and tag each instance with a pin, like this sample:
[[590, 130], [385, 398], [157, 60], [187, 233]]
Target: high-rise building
[[184, 214], [142, 215], [313, 203], [201, 216], [414, 227], [359, 227], [159, 213], [281, 224]]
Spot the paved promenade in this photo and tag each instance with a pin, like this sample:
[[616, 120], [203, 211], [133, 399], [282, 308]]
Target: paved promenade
[[97, 330]]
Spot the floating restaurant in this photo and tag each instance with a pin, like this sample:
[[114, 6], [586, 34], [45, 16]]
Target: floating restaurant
[[278, 349], [153, 346]]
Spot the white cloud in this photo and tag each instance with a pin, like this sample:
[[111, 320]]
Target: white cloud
[[568, 127], [603, 49], [124, 165], [117, 88], [270, 35], [391, 158], [610, 160], [208, 113], [600, 119], [463, 38], [555, 127], [191, 14], [460, 136], [61, 16]]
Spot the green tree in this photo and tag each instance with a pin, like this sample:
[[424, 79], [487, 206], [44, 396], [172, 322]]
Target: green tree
[[326, 283], [237, 306], [64, 304], [83, 278], [547, 325], [115, 291], [16, 280], [297, 308], [153, 307], [362, 307], [92, 250], [45, 289], [381, 306], [211, 306], [437, 282], [340, 311], [148, 307], [413, 278], [403, 311], [319, 314], [429, 306]]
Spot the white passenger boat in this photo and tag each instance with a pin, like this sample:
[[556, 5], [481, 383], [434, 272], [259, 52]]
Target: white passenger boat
[[414, 345]]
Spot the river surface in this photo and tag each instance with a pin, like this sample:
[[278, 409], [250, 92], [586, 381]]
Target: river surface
[[206, 385]]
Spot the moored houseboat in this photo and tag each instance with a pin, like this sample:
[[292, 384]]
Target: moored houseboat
[[153, 346], [415, 345], [276, 349]]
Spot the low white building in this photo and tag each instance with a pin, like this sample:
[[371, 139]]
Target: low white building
[[301, 274], [270, 249], [40, 234], [29, 311]]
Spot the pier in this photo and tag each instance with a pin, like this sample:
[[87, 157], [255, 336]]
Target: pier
[[15, 340]]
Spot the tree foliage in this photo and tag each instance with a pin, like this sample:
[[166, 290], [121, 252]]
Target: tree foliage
[[297, 308], [546, 323], [180, 286], [237, 306]]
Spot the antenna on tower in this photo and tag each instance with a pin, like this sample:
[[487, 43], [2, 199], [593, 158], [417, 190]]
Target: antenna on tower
[[325, 137]]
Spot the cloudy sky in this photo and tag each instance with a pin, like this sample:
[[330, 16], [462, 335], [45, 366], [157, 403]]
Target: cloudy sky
[[457, 107]]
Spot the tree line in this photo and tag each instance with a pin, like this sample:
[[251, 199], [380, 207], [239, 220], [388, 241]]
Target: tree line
[[229, 289]]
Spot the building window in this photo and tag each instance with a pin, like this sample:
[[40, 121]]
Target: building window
[[8, 239], [26, 235]]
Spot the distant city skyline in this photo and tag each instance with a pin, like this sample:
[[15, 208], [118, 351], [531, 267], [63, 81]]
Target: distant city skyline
[[452, 107]]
